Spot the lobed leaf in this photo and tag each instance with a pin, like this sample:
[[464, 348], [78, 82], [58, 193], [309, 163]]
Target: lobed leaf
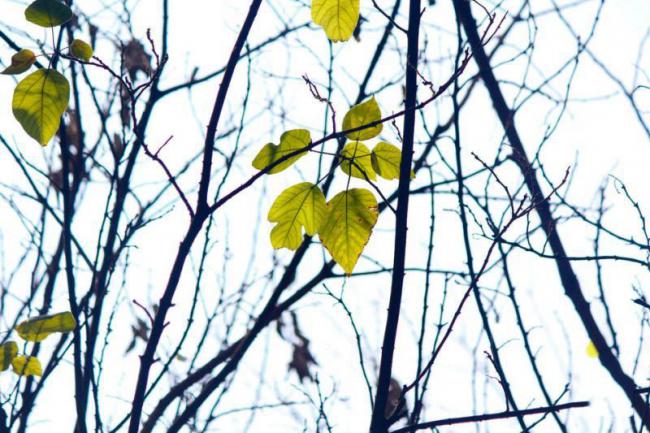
[[38, 328], [357, 161], [27, 366], [337, 17], [81, 50], [290, 141], [386, 160], [40, 100], [351, 216], [20, 62], [48, 13], [300, 205], [8, 352], [360, 115]]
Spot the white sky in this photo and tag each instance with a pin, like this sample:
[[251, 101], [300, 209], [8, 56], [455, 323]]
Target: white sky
[[598, 138]]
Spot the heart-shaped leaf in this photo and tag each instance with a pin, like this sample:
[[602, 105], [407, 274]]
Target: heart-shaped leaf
[[290, 142], [360, 115], [48, 13], [81, 50], [20, 62], [351, 216], [40, 100], [357, 161], [300, 205], [337, 17]]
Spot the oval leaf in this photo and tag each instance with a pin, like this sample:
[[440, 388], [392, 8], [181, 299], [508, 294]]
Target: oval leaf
[[8, 352], [81, 50], [27, 366], [360, 115], [337, 17], [38, 328], [20, 62], [357, 161], [386, 160], [301, 205], [289, 142], [48, 13], [351, 216], [39, 101]]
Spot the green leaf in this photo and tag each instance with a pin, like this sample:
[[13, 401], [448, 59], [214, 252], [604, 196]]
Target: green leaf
[[8, 352], [20, 62], [81, 50], [290, 141], [48, 13], [357, 161], [38, 328], [386, 160], [27, 366], [363, 114], [300, 205], [337, 17], [39, 101], [351, 215]]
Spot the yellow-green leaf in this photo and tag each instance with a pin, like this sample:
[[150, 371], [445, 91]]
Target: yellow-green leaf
[[290, 141], [337, 17], [386, 160], [27, 366], [592, 352], [363, 114], [351, 215], [39, 101], [48, 13], [300, 205], [38, 328], [20, 62], [8, 352], [81, 50], [357, 161]]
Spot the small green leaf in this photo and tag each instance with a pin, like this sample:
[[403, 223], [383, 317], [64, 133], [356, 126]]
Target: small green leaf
[[357, 161], [290, 142], [351, 216], [38, 328], [20, 62], [27, 366], [337, 17], [48, 13], [360, 115], [40, 100], [386, 160], [8, 352], [81, 50], [300, 205]]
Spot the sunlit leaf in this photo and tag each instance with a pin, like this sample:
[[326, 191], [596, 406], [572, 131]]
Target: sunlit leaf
[[39, 101], [337, 17], [357, 161], [290, 141], [300, 205], [8, 352], [360, 115], [20, 62], [27, 366], [38, 328], [592, 352], [351, 215], [48, 13], [386, 160], [81, 50]]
